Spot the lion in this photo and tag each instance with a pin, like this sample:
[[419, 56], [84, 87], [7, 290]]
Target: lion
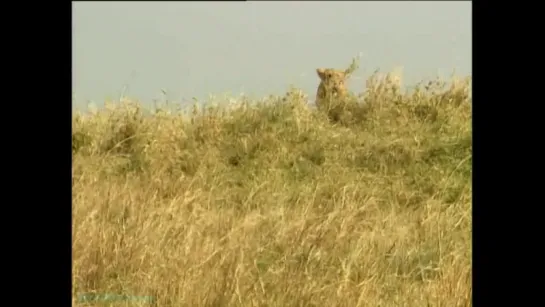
[[332, 85]]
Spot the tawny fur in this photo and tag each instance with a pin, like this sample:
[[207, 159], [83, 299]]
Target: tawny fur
[[332, 85]]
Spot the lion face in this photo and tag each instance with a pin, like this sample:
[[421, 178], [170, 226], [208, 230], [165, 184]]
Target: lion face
[[333, 80]]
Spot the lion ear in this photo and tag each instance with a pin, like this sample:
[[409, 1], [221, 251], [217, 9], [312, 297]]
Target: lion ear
[[321, 73]]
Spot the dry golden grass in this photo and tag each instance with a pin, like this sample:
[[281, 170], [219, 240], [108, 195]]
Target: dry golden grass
[[275, 204]]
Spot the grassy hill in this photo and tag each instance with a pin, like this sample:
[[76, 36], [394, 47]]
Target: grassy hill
[[273, 203]]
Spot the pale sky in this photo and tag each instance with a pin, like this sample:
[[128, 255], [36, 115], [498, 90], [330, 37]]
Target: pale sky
[[193, 49]]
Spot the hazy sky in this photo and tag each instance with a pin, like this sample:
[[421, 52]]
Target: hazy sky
[[192, 49]]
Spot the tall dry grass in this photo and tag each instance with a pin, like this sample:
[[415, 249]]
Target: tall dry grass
[[272, 203]]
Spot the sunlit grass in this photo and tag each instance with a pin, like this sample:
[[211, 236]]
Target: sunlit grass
[[273, 203]]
